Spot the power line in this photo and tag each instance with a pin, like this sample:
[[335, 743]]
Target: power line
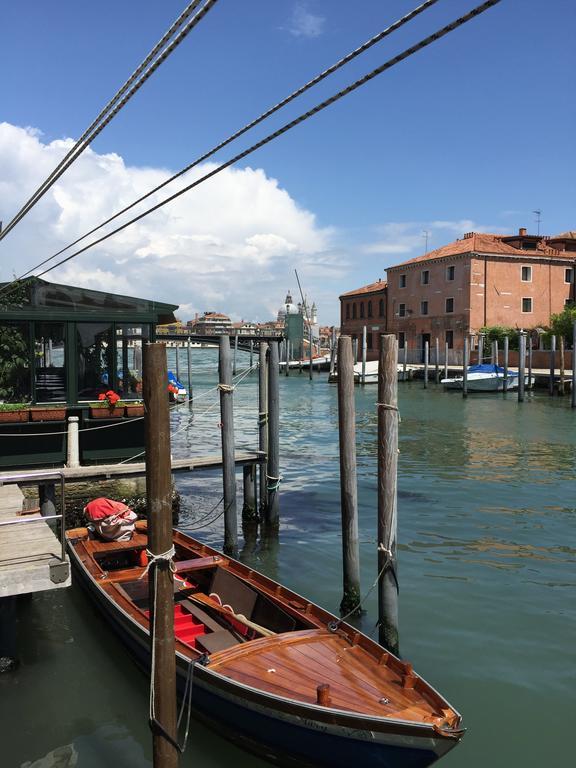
[[292, 124], [349, 57], [130, 87]]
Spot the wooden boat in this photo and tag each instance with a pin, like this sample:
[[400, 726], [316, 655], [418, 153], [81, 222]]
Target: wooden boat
[[276, 673]]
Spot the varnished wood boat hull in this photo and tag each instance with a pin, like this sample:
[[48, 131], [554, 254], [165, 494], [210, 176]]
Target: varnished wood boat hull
[[284, 731]]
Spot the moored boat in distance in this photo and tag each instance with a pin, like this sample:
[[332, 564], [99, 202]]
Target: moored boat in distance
[[371, 373], [272, 671], [177, 391], [485, 377]]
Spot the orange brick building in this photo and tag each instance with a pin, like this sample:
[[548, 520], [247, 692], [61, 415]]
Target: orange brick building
[[365, 306], [480, 280]]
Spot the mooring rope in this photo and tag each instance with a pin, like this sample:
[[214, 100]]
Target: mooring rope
[[389, 407], [276, 482]]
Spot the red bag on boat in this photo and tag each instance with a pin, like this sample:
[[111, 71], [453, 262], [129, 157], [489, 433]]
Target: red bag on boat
[[111, 520]]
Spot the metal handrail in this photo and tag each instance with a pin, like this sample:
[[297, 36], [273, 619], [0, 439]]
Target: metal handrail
[[19, 477]]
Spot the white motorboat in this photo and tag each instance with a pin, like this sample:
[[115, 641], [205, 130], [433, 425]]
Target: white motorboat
[[485, 378], [371, 376]]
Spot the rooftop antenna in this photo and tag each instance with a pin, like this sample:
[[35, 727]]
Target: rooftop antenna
[[425, 236], [538, 213]]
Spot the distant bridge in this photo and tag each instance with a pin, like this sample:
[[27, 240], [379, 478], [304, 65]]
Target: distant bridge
[[244, 339]]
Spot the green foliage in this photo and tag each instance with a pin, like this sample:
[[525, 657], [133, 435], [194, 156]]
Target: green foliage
[[562, 323], [14, 361], [14, 406], [498, 333]]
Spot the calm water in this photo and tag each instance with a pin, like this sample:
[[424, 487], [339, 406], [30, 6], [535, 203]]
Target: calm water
[[487, 575]]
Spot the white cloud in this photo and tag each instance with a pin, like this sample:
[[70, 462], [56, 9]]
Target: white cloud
[[305, 24], [230, 245]]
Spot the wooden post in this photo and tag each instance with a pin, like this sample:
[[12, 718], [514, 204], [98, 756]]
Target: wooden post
[[332, 353], [465, 368], [561, 384], [552, 365], [355, 350], [521, 365], [573, 392], [506, 349], [287, 371], [493, 353], [311, 349], [160, 579], [530, 379], [426, 356], [437, 360], [235, 353], [263, 419], [228, 458], [496, 352], [189, 361], [405, 363], [273, 473], [364, 350], [251, 354], [387, 497], [348, 480], [446, 360], [249, 487], [481, 348]]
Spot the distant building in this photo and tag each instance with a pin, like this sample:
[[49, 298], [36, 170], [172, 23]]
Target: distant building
[[480, 280], [361, 307], [210, 323]]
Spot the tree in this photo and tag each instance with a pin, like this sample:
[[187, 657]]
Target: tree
[[562, 323], [499, 332]]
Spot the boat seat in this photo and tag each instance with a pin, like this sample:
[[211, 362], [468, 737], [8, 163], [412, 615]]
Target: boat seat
[[233, 592], [201, 615], [216, 641]]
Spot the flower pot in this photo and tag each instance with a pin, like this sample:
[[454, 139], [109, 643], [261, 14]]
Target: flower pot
[[48, 414], [134, 411], [12, 416], [107, 413]]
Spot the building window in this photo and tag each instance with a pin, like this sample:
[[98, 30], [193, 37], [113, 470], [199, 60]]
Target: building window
[[401, 340], [569, 275], [369, 309], [381, 308], [450, 273], [529, 245], [425, 277], [450, 339], [527, 304], [369, 340], [354, 311], [401, 310], [423, 307], [347, 311], [449, 305], [361, 309], [402, 281], [526, 274]]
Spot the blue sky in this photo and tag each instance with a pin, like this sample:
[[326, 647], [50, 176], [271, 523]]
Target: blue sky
[[476, 131]]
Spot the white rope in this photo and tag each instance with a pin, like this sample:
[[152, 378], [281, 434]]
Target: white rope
[[389, 407], [162, 557]]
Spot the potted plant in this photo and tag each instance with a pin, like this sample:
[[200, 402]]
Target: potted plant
[[107, 406], [13, 412], [56, 412], [134, 409]]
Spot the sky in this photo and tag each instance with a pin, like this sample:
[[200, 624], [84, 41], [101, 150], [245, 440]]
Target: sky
[[476, 132]]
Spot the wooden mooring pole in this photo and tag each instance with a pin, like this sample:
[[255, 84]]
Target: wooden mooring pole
[[561, 383], [405, 359], [287, 371], [249, 514], [388, 418], [521, 365], [506, 349], [160, 580], [355, 349], [272, 517], [228, 458], [426, 356], [446, 360], [189, 361], [263, 420], [311, 348], [437, 360], [235, 353], [364, 351], [481, 348], [530, 378], [251, 354], [177, 351], [465, 368], [552, 365], [348, 479], [332, 353]]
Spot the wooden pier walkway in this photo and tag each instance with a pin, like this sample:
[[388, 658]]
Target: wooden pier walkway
[[29, 551]]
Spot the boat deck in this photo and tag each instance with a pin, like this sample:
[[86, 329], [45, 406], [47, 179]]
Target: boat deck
[[29, 551]]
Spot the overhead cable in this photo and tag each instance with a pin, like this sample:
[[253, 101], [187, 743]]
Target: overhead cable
[[349, 57], [292, 124], [118, 101]]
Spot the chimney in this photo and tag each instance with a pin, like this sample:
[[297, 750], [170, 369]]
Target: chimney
[[468, 235], [522, 232]]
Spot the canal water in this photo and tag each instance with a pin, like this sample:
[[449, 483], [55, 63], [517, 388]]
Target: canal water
[[487, 574]]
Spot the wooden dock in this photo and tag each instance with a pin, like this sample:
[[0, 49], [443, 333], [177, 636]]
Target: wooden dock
[[138, 469], [29, 551]]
